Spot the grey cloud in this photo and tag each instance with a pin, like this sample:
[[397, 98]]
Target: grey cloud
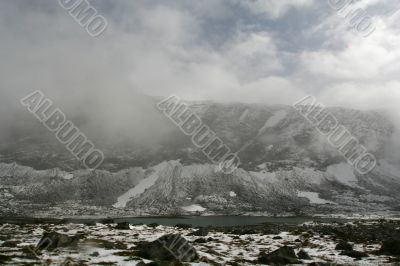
[[254, 51]]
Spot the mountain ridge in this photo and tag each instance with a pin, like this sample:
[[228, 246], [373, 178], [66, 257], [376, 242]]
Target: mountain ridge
[[286, 167]]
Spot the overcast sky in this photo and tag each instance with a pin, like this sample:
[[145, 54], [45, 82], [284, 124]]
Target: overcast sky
[[266, 51]]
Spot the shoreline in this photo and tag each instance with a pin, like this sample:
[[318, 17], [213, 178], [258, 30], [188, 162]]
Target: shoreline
[[188, 218]]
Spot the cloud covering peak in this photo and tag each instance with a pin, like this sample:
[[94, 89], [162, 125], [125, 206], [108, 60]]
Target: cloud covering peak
[[266, 51]]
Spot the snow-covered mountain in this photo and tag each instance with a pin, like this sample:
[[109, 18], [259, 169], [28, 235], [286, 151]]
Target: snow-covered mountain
[[286, 167]]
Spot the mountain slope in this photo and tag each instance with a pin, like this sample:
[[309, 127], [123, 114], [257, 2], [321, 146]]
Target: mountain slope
[[286, 167]]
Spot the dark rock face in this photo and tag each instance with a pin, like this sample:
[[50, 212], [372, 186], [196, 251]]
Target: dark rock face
[[4, 238], [391, 246], [321, 264], [153, 225], [243, 231], [10, 244], [282, 256], [200, 241], [354, 254], [53, 240], [183, 226], [202, 231], [168, 248], [303, 255], [342, 245], [107, 221], [164, 263], [90, 223], [95, 254], [4, 259], [123, 226]]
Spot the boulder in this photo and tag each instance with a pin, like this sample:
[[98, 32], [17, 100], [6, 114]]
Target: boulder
[[303, 255], [343, 245], [183, 226], [202, 231], [95, 254], [153, 225], [164, 263], [168, 248], [4, 237], [391, 246], [11, 243], [282, 256], [123, 226], [321, 264], [107, 221], [200, 241], [244, 231], [53, 240], [354, 254], [4, 259], [90, 223]]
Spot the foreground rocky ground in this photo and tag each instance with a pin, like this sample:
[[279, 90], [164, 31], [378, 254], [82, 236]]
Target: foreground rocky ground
[[351, 243]]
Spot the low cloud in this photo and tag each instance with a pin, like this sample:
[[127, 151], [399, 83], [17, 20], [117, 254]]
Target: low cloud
[[248, 51]]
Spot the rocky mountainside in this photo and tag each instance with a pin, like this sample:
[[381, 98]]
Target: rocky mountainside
[[287, 167]]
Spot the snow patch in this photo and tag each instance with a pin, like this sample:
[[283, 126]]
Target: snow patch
[[194, 208], [270, 147], [313, 197], [68, 176], [274, 120], [262, 166], [141, 187]]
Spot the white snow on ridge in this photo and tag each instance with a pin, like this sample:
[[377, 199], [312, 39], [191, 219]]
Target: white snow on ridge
[[194, 208], [274, 120], [262, 166], [313, 197], [141, 187], [343, 173], [68, 176]]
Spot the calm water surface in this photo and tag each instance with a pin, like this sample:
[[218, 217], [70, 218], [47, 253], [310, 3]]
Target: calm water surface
[[222, 220], [171, 221]]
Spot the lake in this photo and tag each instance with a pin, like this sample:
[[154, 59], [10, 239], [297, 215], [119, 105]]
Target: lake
[[222, 220], [171, 221]]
